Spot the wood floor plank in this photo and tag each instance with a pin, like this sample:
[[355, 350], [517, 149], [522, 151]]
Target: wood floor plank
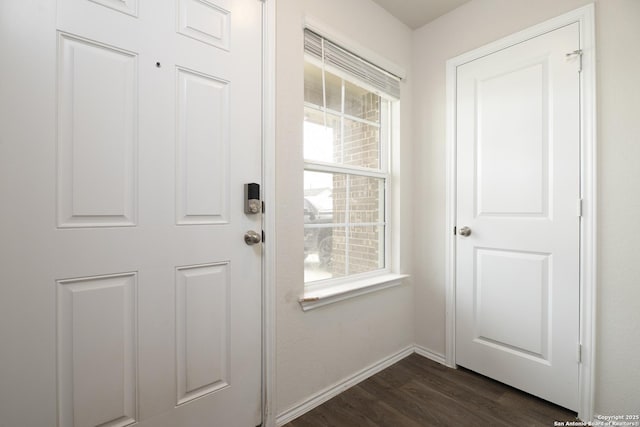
[[380, 412], [420, 392], [485, 395], [426, 368], [535, 408], [396, 398], [451, 411], [443, 396], [396, 375], [345, 411]]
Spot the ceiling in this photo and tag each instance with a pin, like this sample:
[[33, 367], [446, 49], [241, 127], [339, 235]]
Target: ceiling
[[416, 13]]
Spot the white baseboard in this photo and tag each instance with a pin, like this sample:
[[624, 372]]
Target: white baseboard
[[334, 390], [425, 352]]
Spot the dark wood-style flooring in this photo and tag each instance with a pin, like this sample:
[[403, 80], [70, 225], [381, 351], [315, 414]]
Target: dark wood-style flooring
[[417, 392]]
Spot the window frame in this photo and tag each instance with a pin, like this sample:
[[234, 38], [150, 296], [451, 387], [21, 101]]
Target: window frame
[[321, 292]]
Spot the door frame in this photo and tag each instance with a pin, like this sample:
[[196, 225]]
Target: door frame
[[585, 16], [269, 222]]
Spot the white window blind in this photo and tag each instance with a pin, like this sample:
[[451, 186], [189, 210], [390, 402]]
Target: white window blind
[[333, 55]]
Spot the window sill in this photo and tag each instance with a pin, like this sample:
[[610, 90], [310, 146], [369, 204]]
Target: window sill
[[329, 295]]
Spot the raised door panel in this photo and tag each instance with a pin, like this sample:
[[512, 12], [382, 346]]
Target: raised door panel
[[97, 342], [512, 141], [97, 134], [203, 149], [130, 7], [203, 330], [206, 21], [511, 301]]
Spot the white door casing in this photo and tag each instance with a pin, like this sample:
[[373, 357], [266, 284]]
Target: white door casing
[[518, 184], [128, 292]]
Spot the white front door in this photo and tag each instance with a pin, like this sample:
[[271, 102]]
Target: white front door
[[518, 186], [128, 131]]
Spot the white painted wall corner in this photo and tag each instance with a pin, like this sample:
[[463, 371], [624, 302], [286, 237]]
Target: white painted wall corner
[[332, 391]]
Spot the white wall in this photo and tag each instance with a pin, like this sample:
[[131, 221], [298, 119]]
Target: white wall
[[318, 348], [618, 363], [618, 33]]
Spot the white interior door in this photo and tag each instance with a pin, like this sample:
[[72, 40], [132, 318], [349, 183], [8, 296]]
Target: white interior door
[[129, 128], [518, 186]]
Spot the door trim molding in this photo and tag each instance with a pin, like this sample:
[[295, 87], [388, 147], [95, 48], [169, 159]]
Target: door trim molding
[[585, 16], [269, 222]]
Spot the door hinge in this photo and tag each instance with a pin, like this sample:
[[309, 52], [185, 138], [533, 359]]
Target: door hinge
[[579, 208], [578, 53], [579, 353]]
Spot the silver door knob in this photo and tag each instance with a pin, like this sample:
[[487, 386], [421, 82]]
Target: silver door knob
[[465, 231], [252, 238]]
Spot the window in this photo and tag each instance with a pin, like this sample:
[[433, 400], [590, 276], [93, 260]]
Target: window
[[348, 116]]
